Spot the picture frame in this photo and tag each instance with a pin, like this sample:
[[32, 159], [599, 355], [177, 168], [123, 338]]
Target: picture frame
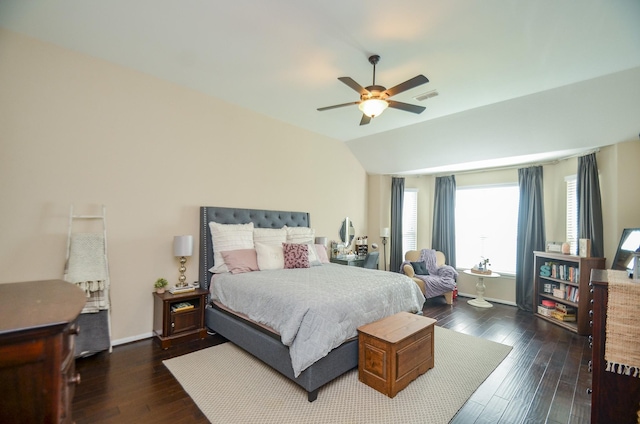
[[584, 248]]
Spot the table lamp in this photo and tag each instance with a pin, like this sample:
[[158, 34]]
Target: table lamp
[[182, 248]]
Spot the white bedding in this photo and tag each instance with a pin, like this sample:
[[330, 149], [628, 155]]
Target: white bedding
[[316, 309]]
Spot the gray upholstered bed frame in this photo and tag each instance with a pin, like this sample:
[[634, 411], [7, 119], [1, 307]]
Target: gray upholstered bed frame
[[264, 346]]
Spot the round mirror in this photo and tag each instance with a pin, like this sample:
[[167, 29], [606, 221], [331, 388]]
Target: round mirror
[[347, 232]]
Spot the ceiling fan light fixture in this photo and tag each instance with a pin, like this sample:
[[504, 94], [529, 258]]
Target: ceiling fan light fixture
[[373, 107]]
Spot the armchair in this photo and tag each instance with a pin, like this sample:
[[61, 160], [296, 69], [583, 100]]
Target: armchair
[[441, 278]]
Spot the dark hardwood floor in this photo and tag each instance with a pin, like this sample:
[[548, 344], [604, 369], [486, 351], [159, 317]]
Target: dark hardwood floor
[[544, 378]]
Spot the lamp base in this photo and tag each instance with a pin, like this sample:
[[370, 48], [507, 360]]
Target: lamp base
[[182, 289]]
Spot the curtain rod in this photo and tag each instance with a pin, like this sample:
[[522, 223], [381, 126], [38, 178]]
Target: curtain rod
[[503, 168]]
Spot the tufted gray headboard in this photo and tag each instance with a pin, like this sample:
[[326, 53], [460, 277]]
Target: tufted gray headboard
[[260, 218]]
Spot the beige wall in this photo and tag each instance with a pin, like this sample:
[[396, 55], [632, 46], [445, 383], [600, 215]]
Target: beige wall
[[76, 130], [619, 174]]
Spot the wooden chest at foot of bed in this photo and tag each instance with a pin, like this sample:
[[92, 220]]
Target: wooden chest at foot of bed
[[394, 351]]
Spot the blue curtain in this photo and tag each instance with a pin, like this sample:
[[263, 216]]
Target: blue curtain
[[590, 204], [397, 200], [444, 218], [531, 233]]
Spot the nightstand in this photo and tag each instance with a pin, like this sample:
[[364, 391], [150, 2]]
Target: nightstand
[[171, 326], [357, 261]]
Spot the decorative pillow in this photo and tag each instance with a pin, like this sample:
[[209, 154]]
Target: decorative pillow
[[269, 257], [241, 260], [295, 255], [420, 268], [300, 235], [229, 237], [272, 236], [313, 255], [321, 251]]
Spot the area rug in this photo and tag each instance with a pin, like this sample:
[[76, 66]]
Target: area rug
[[231, 386]]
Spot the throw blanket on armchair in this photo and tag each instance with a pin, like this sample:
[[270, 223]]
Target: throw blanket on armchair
[[440, 279]]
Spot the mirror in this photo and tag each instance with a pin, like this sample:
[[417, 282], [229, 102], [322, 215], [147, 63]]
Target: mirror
[[629, 244], [347, 232]]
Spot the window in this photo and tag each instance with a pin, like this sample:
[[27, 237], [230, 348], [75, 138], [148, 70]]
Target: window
[[410, 221], [487, 226], [572, 212]]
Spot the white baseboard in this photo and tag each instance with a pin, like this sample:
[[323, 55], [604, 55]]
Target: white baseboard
[[131, 339], [489, 299]]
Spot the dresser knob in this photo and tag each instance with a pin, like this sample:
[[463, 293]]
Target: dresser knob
[[591, 301], [589, 391], [590, 313], [74, 329], [590, 366], [75, 379], [591, 291], [590, 323]]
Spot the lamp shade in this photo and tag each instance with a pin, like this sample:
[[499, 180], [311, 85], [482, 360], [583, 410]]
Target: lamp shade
[[384, 232], [373, 107], [182, 246]]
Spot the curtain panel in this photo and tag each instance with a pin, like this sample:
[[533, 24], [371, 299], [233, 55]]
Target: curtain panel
[[444, 218], [397, 200], [531, 233], [590, 204]]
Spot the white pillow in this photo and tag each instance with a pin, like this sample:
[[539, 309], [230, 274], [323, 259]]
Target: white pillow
[[229, 237], [301, 235], [269, 256], [270, 236], [314, 259]]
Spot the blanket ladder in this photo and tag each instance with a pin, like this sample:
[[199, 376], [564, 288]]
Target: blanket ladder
[[102, 220]]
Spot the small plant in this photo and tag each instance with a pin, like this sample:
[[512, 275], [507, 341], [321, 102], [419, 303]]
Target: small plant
[[161, 283], [484, 263]]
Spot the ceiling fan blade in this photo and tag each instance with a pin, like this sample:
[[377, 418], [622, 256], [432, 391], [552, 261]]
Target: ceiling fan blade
[[354, 85], [406, 106], [337, 106], [407, 85], [365, 119]]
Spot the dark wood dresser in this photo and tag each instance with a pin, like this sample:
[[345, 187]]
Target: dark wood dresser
[[37, 365], [615, 398]]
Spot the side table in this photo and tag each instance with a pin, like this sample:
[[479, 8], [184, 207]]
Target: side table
[[177, 326], [480, 287]]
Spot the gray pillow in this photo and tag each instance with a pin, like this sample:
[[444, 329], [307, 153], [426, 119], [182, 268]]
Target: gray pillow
[[420, 268]]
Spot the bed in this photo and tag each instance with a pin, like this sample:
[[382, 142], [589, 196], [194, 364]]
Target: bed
[[263, 343]]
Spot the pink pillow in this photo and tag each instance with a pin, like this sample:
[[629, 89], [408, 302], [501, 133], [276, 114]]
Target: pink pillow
[[322, 253], [295, 255], [241, 260]]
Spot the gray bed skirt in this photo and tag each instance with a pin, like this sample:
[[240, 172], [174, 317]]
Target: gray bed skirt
[[271, 351]]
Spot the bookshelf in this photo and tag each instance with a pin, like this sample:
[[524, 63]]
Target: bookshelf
[[564, 280]]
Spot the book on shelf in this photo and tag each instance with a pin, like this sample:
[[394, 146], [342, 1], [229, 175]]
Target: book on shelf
[[182, 306], [182, 289], [560, 271], [562, 316], [565, 309]]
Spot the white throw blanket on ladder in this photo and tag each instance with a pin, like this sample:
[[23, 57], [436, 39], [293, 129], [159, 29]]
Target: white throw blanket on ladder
[[87, 268]]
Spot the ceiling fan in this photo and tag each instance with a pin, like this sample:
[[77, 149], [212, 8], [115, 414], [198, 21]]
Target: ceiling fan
[[374, 98]]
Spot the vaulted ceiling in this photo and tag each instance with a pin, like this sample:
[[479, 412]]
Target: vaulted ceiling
[[517, 81]]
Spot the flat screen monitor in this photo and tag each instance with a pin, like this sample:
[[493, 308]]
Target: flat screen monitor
[[629, 244]]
